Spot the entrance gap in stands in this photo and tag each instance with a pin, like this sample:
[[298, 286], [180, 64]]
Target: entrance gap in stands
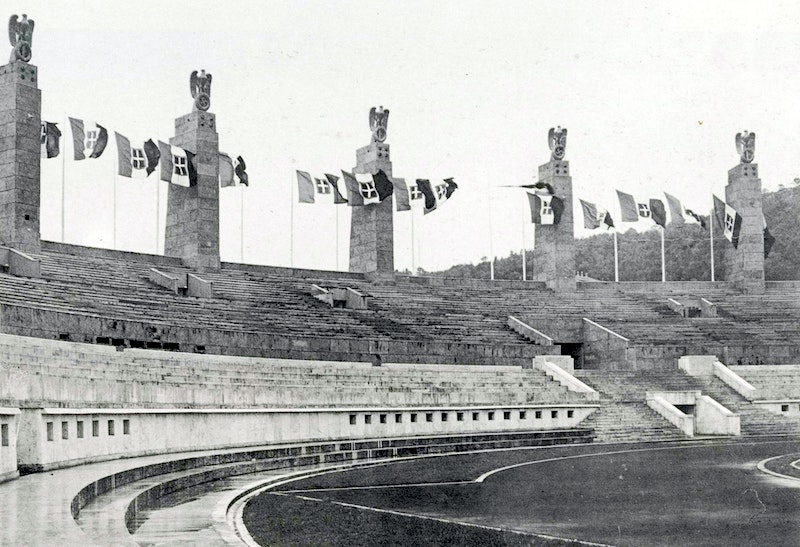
[[574, 350]]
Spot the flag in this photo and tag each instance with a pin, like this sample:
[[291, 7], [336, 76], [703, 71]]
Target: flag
[[675, 209], [627, 206], [305, 187], [402, 197], [225, 171], [177, 165], [230, 175], [769, 239], [138, 161], [590, 218], [545, 210], [435, 196], [729, 219], [333, 181], [696, 217], [328, 186], [383, 185], [88, 139], [240, 169], [51, 138], [658, 213], [535, 186], [607, 220], [367, 189]]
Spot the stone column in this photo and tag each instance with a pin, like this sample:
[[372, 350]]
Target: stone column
[[745, 264], [554, 251], [192, 231], [20, 160], [372, 226]]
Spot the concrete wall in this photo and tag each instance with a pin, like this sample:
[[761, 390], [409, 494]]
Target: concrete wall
[[604, 349], [54, 437], [8, 443], [40, 323]]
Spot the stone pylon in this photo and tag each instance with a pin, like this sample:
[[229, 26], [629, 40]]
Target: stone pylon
[[192, 229], [20, 160], [554, 248], [372, 226], [745, 263]]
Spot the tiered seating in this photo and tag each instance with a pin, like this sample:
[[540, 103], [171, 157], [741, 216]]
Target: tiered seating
[[57, 374], [772, 382], [624, 415]]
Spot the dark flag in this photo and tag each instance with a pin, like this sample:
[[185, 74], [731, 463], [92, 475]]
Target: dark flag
[[424, 186], [51, 137], [658, 213], [241, 173], [697, 217], [607, 220], [769, 241], [383, 185]]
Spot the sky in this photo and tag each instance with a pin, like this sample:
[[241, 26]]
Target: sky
[[652, 94]]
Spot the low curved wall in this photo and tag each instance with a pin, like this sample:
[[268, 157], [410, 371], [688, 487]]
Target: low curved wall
[[58, 437]]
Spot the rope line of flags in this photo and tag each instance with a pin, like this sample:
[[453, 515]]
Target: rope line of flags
[[366, 189], [174, 164]]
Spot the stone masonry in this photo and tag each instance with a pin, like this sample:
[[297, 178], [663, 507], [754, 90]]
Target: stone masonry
[[554, 251], [192, 231], [20, 163], [372, 226], [745, 264]]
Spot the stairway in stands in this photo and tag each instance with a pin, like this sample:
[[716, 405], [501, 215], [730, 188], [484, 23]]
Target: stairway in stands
[[625, 416]]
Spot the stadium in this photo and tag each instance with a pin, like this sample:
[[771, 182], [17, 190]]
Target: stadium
[[177, 398]]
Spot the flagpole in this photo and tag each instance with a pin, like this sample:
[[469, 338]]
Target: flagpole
[[63, 180], [114, 214], [491, 247], [524, 265], [291, 225], [158, 210], [663, 266], [413, 244], [336, 205], [711, 238], [616, 258], [241, 224]]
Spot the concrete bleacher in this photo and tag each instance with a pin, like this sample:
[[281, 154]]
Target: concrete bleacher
[[82, 402], [107, 297], [624, 416]]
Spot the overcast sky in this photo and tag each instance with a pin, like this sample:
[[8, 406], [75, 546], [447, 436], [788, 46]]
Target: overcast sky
[[652, 97]]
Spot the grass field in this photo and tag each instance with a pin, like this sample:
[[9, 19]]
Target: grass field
[[693, 494]]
